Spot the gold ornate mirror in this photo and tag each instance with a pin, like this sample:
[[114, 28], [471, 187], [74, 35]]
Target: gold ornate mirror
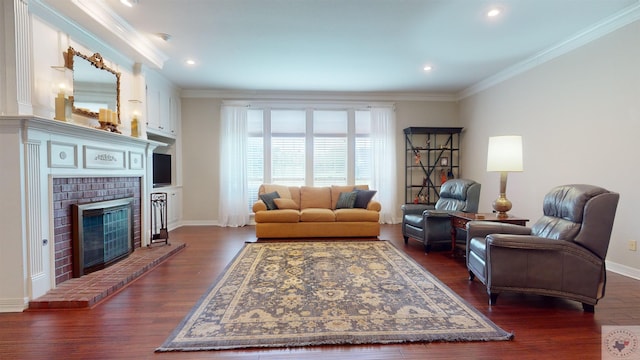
[[95, 85]]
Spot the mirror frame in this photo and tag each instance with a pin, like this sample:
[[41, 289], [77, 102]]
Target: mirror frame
[[97, 61]]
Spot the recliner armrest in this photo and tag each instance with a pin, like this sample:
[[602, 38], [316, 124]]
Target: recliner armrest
[[415, 209], [530, 242], [435, 214], [479, 228]]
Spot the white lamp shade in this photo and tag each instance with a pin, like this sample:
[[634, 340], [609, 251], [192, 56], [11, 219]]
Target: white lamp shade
[[505, 153]]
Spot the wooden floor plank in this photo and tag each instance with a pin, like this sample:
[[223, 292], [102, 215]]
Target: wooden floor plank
[[131, 324]]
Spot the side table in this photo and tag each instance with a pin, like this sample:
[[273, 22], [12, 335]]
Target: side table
[[459, 220]]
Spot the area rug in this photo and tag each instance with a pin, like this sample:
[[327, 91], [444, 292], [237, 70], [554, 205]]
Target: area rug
[[287, 294]]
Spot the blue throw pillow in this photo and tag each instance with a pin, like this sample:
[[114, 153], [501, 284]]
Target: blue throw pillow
[[346, 200], [268, 200], [363, 197]]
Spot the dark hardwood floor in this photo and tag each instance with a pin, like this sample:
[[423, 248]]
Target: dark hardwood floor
[[131, 324]]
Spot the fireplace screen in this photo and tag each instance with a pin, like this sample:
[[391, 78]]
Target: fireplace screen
[[102, 234]]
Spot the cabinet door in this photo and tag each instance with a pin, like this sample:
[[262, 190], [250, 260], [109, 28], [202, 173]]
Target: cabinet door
[[165, 111], [174, 113], [162, 107], [174, 207], [153, 108]]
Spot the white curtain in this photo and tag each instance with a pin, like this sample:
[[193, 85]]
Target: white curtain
[[383, 140], [233, 199]]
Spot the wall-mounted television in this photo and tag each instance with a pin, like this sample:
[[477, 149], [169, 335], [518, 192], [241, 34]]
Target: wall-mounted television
[[161, 170]]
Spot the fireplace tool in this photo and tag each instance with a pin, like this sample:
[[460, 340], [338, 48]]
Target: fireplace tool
[[159, 232]]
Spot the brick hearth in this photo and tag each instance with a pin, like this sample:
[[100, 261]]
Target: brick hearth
[[89, 290]]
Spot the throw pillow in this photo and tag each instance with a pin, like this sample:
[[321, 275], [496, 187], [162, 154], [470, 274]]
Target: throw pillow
[[285, 204], [268, 200], [363, 197], [346, 200]]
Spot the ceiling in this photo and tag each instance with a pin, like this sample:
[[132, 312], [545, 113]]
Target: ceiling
[[337, 45]]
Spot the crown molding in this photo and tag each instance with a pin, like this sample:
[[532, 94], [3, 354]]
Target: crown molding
[[596, 31], [315, 96], [48, 14], [112, 22]]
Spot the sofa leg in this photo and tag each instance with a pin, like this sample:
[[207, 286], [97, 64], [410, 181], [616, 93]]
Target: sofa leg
[[588, 308], [471, 275], [493, 297]]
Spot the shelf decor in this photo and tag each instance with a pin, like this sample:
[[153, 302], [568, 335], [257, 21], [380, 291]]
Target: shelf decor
[[428, 167]]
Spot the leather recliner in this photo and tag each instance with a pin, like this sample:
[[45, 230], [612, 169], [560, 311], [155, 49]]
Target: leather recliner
[[430, 224], [561, 255]]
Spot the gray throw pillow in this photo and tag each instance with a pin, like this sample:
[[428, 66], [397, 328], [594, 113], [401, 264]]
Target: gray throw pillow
[[346, 200], [268, 200], [363, 197]]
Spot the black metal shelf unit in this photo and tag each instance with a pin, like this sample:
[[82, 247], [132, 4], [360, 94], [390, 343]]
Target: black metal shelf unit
[[432, 156]]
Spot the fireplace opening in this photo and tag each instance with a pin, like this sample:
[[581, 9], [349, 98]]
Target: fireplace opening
[[102, 234]]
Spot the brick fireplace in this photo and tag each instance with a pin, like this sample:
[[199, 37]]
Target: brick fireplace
[[49, 165], [83, 190]]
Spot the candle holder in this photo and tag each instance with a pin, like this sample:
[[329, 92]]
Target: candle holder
[[63, 88], [136, 111], [108, 120]]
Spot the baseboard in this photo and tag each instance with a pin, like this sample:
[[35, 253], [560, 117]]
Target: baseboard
[[623, 270], [198, 223], [13, 305]]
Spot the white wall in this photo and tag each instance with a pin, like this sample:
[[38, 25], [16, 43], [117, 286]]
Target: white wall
[[579, 116], [48, 45], [200, 129], [200, 160]]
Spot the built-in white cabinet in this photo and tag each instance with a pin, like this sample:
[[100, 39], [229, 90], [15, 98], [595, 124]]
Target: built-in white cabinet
[[163, 107], [174, 207]]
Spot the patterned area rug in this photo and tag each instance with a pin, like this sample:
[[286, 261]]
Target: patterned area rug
[[311, 293]]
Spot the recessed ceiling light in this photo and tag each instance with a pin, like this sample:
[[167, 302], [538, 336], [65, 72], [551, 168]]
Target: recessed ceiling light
[[494, 12], [427, 68], [190, 62], [164, 36]]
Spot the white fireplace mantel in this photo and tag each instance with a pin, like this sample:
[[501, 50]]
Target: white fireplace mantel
[[33, 150]]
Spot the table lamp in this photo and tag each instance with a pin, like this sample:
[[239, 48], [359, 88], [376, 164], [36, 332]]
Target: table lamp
[[504, 155]]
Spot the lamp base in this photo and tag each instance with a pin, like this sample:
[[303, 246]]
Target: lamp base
[[501, 205]]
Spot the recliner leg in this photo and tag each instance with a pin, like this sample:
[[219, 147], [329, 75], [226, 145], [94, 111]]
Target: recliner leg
[[406, 239], [588, 308], [493, 297], [471, 275]]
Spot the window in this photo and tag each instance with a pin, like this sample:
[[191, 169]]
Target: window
[[288, 145], [330, 154], [315, 147]]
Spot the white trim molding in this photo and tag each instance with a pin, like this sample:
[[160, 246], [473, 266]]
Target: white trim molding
[[596, 31]]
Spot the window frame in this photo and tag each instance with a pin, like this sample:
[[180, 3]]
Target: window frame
[[351, 137]]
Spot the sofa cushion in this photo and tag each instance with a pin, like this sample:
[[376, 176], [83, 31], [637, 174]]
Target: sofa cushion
[[285, 204], [346, 200], [268, 199], [336, 190], [317, 215], [358, 215], [282, 190], [315, 197], [363, 197], [278, 216]]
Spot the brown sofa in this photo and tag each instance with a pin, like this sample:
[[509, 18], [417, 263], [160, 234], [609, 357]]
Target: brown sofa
[[309, 211]]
